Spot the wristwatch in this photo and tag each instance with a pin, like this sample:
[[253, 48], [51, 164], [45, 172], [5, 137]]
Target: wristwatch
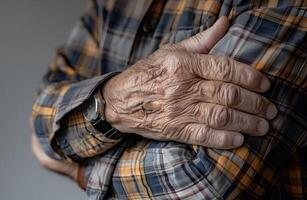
[[91, 110]]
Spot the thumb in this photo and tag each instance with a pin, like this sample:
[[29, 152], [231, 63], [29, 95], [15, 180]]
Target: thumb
[[204, 41]]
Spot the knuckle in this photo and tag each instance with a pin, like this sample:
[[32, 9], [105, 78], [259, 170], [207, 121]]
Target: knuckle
[[222, 140], [197, 110], [208, 90], [203, 135], [259, 104], [219, 116], [230, 95], [223, 68], [207, 136], [173, 59], [244, 123], [251, 77], [182, 134]]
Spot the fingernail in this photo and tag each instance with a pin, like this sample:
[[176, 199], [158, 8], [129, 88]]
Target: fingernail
[[237, 140], [265, 84], [271, 111], [262, 127]]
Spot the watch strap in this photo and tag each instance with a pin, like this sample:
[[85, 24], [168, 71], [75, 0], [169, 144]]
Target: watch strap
[[106, 129]]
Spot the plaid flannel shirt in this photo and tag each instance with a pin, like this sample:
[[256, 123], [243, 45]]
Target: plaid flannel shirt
[[112, 35]]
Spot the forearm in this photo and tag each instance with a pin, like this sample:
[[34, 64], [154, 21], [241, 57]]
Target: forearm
[[73, 76], [60, 125]]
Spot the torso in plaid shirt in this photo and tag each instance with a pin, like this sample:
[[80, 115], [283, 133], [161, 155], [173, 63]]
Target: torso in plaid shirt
[[114, 34]]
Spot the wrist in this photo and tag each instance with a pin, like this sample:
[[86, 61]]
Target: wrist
[[109, 112], [93, 110]]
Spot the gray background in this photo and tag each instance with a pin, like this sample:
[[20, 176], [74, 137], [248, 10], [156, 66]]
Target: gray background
[[30, 30]]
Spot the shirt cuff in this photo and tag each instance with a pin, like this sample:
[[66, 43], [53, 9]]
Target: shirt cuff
[[70, 128]]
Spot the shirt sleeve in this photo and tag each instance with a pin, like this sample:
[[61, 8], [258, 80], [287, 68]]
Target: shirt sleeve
[[273, 40], [73, 75]]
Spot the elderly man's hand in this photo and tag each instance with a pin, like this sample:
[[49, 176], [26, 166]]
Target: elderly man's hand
[[181, 94]]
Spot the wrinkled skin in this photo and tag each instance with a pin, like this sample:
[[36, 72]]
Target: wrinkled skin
[[178, 93]]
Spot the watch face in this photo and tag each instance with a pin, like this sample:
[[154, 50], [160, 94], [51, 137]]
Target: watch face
[[91, 108]]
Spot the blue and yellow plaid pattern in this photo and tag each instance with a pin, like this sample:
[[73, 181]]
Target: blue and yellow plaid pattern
[[113, 34]]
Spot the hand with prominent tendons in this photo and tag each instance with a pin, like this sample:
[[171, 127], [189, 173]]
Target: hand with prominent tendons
[[181, 94]]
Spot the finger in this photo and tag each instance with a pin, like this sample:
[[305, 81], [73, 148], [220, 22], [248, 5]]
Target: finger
[[228, 70], [203, 135], [236, 97], [204, 41], [223, 118]]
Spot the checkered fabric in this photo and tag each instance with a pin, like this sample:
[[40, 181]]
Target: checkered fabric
[[113, 34]]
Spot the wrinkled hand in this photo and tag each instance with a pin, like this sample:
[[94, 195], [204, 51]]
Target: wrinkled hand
[[178, 93], [67, 169]]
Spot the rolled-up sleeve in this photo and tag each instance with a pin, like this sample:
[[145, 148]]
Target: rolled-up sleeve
[[72, 77]]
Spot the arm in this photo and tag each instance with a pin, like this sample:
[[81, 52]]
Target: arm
[[56, 116], [71, 135], [63, 126]]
